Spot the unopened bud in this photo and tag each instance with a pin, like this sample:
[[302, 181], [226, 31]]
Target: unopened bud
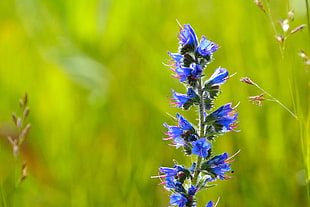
[[298, 28], [290, 15], [26, 112], [15, 150], [23, 172], [19, 123], [14, 118], [257, 99], [280, 38], [24, 132], [21, 103], [260, 5], [303, 55], [25, 101], [247, 80], [284, 25], [14, 145]]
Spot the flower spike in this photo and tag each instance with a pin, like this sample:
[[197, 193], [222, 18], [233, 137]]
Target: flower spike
[[188, 65]]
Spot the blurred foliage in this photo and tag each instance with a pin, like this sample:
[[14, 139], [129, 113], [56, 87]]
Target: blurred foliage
[[98, 96]]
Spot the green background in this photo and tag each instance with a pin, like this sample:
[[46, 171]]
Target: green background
[[98, 92]]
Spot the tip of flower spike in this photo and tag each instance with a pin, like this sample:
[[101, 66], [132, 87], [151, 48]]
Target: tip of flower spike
[[187, 39]]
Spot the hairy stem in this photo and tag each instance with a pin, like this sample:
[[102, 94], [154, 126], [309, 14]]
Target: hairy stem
[[201, 129]]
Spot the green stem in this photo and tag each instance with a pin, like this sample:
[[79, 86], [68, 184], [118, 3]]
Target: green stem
[[276, 100], [308, 17], [201, 130], [4, 203], [281, 45]]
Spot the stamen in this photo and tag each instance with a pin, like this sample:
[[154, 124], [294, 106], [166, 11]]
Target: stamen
[[234, 155]]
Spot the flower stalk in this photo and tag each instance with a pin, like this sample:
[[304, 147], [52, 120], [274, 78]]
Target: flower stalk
[[201, 129], [189, 65]]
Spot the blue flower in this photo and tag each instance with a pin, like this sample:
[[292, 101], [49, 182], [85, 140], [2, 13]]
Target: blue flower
[[206, 47], [196, 71], [178, 142], [185, 67], [191, 93], [191, 73], [224, 118], [220, 171], [178, 199], [183, 123], [222, 111], [173, 131], [228, 122], [185, 100], [219, 77], [184, 131], [218, 160], [176, 57], [192, 190], [182, 72], [201, 147], [168, 171], [188, 37], [180, 99], [172, 183], [174, 177], [210, 204], [218, 166]]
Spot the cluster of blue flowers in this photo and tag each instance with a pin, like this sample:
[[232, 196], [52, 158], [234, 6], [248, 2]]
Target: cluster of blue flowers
[[188, 66]]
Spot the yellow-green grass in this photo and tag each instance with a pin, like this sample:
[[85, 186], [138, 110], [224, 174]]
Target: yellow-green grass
[[98, 96]]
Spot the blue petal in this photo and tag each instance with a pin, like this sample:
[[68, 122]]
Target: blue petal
[[188, 36], [168, 171], [201, 147], [206, 47], [219, 159], [219, 76], [210, 204], [184, 124], [178, 199]]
